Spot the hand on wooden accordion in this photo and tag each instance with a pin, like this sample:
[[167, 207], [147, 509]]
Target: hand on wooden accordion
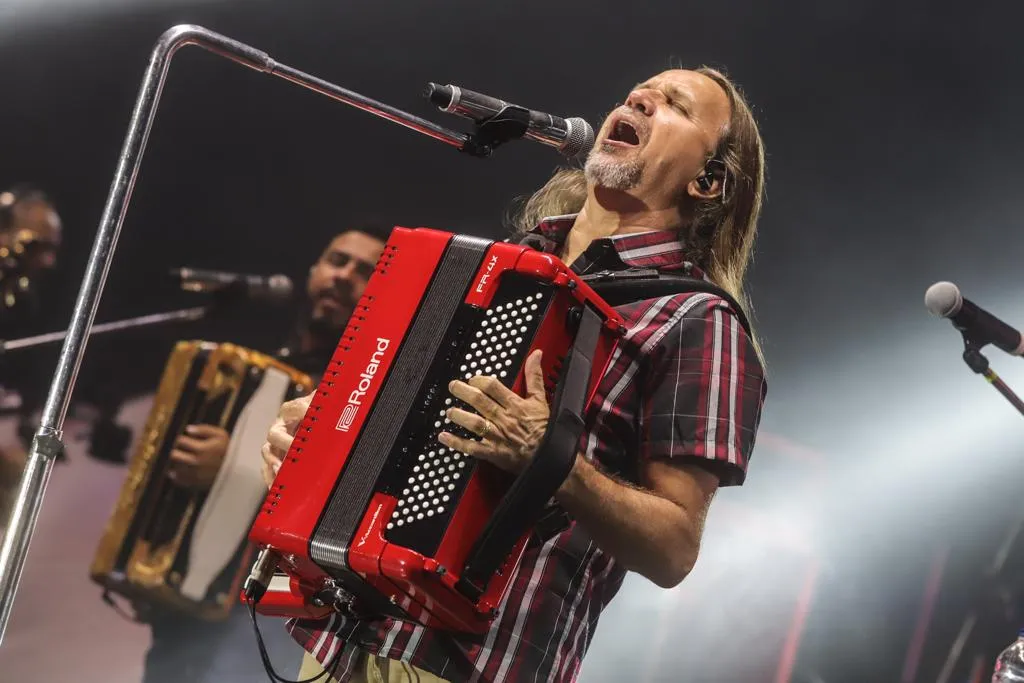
[[197, 456], [281, 435], [510, 426]]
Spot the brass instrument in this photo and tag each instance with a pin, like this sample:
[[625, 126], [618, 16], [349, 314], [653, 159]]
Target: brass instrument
[[182, 549], [30, 235]]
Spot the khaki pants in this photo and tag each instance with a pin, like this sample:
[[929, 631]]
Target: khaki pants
[[371, 669]]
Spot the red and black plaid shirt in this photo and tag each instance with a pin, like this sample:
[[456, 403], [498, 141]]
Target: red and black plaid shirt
[[684, 384]]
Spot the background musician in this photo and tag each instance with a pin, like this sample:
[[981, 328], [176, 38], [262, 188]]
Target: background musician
[[30, 236], [188, 649], [675, 183]]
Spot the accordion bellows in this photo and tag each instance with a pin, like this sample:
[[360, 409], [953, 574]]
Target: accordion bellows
[[370, 514], [180, 549]]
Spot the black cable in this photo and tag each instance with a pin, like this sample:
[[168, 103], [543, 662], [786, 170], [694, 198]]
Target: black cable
[[264, 655]]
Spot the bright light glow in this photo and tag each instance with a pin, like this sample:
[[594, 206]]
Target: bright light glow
[[900, 413]]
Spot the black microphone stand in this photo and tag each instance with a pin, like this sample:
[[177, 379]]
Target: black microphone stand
[[999, 596], [979, 364]]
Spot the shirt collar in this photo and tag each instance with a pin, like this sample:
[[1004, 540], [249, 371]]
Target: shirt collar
[[659, 249]]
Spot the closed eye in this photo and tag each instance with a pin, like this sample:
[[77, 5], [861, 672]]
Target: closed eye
[[678, 106]]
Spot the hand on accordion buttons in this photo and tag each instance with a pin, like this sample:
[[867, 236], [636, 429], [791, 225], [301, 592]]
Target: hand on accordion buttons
[[281, 435], [510, 426], [197, 455]]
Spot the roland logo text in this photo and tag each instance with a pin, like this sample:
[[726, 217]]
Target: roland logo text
[[355, 399]]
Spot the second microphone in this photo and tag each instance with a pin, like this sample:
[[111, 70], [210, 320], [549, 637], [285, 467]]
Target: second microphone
[[270, 288]]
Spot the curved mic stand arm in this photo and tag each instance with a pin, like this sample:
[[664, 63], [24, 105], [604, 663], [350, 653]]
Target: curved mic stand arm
[[47, 444]]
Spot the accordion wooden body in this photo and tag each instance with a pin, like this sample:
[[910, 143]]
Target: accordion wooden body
[[369, 514], [178, 548]]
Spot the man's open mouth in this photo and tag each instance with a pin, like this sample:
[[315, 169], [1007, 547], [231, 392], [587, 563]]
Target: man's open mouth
[[333, 299], [624, 132]]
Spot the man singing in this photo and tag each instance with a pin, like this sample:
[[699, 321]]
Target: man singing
[[187, 649], [675, 183]]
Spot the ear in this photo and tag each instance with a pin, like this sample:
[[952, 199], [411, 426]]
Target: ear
[[708, 185]]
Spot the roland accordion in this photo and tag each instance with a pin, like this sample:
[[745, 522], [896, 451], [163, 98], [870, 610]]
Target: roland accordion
[[369, 514], [179, 548]]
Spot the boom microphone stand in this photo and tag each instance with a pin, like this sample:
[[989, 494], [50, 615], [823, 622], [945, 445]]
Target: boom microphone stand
[[998, 596], [979, 364], [47, 443], [183, 315]]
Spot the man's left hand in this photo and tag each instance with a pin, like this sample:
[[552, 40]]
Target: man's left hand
[[511, 426], [197, 455]]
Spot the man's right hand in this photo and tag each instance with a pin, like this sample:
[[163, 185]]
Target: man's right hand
[[281, 435]]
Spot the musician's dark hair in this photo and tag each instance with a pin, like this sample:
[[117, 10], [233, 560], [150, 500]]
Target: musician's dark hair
[[377, 229]]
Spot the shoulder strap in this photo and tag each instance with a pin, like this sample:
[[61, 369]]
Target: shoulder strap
[[621, 287]]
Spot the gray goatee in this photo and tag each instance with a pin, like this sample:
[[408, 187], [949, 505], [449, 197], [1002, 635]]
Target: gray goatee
[[603, 170]]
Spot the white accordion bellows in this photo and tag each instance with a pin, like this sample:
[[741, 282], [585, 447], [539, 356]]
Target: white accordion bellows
[[237, 491]]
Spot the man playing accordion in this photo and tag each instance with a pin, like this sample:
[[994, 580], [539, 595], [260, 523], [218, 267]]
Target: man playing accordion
[[185, 648], [674, 183]]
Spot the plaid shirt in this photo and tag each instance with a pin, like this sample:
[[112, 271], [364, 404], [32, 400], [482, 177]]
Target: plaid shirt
[[684, 384]]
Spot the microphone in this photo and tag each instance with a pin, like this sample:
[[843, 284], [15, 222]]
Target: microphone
[[572, 137], [273, 288], [944, 300]]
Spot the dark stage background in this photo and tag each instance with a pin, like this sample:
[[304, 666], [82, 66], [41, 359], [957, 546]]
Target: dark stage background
[[894, 161]]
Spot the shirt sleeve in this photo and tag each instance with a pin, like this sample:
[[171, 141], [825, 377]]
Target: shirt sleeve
[[704, 394]]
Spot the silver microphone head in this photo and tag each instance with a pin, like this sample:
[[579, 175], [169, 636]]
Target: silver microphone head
[[943, 299], [579, 138]]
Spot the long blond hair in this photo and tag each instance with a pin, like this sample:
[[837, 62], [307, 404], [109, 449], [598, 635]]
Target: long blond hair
[[564, 193], [720, 239]]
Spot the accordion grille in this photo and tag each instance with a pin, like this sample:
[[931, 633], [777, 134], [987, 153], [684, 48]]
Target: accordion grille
[[496, 347]]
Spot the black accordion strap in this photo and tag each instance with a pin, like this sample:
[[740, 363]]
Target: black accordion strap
[[525, 502], [622, 287]]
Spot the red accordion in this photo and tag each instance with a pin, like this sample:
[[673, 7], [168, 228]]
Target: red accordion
[[370, 515]]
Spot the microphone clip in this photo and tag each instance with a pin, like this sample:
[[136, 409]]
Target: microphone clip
[[511, 123], [974, 358], [979, 364]]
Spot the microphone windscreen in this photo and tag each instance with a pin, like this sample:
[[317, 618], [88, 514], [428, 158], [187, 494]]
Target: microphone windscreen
[[580, 138], [943, 299]]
